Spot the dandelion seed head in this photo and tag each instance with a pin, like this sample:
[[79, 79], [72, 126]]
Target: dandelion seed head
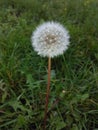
[[50, 39]]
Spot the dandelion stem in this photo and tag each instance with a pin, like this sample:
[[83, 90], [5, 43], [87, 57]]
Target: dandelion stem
[[47, 92]]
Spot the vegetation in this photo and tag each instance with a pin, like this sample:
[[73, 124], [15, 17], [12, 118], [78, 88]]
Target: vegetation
[[73, 103]]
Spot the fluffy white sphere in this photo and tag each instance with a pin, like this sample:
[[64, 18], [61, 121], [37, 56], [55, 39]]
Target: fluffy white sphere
[[50, 39]]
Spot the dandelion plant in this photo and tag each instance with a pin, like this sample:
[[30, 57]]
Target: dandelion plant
[[50, 39]]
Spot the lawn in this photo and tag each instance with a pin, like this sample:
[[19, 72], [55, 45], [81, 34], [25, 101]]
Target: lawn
[[73, 101]]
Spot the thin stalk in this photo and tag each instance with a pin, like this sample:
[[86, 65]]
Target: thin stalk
[[47, 92]]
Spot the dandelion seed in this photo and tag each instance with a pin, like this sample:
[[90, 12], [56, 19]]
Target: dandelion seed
[[50, 39]]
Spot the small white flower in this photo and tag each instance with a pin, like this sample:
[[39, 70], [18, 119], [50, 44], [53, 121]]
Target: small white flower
[[50, 39]]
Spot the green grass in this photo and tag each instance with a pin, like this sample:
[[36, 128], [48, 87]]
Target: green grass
[[23, 74]]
